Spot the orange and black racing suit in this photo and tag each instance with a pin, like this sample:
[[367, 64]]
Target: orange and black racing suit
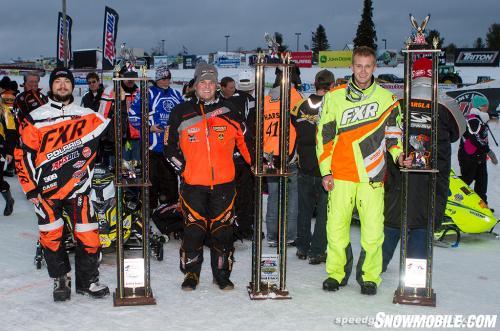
[[55, 163], [200, 143]]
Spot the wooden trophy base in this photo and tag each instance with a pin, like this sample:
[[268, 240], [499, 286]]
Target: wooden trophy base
[[133, 297], [413, 296], [267, 292]]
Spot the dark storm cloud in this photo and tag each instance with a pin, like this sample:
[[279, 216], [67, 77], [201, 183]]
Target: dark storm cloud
[[27, 27]]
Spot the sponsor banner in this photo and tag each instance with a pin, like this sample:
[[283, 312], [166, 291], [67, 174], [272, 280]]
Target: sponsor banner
[[227, 60], [161, 60], [60, 39], [472, 57], [398, 88], [302, 59], [110, 32], [189, 61], [335, 59], [387, 58], [464, 99]]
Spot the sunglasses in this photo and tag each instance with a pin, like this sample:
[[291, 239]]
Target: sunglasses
[[91, 82]]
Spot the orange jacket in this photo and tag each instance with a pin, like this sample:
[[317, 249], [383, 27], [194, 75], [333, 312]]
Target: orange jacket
[[272, 122], [57, 154], [200, 141]]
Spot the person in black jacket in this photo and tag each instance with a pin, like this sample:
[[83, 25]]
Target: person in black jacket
[[311, 194], [31, 98], [245, 109], [450, 127], [7, 143], [92, 99]]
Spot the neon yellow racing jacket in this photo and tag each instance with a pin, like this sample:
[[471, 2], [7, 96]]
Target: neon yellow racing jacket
[[355, 130]]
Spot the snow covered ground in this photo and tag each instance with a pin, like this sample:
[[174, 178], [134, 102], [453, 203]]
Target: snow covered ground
[[466, 280]]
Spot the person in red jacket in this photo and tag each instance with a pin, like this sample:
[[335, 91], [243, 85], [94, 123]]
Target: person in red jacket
[[200, 142], [55, 164]]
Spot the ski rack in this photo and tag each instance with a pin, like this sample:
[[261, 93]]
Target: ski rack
[[143, 295], [404, 294], [258, 290]]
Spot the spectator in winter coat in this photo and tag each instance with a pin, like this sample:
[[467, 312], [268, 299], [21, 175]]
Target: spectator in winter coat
[[8, 139], [244, 204], [31, 98], [450, 126], [474, 148], [162, 99], [311, 195], [92, 98]]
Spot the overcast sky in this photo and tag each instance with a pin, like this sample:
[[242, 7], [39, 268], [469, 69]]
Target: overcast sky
[[28, 27]]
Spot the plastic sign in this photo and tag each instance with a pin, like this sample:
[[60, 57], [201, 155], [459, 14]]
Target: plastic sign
[[134, 272], [415, 274]]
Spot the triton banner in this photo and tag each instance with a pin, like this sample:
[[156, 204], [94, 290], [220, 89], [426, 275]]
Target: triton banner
[[477, 57], [110, 32], [60, 39]]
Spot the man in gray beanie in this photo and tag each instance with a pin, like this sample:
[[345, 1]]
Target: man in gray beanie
[[202, 135]]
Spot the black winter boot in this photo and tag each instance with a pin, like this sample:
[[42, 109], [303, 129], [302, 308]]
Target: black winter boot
[[222, 264], [368, 288], [9, 203], [62, 288], [190, 281], [331, 284]]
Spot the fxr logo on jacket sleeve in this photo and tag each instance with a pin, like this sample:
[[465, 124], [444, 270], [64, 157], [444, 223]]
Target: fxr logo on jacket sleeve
[[360, 113]]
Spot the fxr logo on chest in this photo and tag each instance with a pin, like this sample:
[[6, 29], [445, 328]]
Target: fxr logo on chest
[[360, 113]]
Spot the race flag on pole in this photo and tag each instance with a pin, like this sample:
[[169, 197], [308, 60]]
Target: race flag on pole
[[109, 38], [60, 39]]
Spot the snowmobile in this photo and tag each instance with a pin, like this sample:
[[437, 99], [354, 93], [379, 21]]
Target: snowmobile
[[104, 203], [465, 212], [103, 200]]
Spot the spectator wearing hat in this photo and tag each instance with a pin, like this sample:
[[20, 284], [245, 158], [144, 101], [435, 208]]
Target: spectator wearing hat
[[474, 148], [131, 135], [162, 100], [245, 108], [311, 195], [451, 125], [202, 135]]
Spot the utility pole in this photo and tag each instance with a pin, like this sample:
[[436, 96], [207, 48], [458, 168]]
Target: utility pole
[[163, 47], [298, 36], [65, 33], [385, 43], [227, 39]]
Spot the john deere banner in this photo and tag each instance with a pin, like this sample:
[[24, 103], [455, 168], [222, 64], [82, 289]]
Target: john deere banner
[[335, 59], [60, 39], [110, 32]]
